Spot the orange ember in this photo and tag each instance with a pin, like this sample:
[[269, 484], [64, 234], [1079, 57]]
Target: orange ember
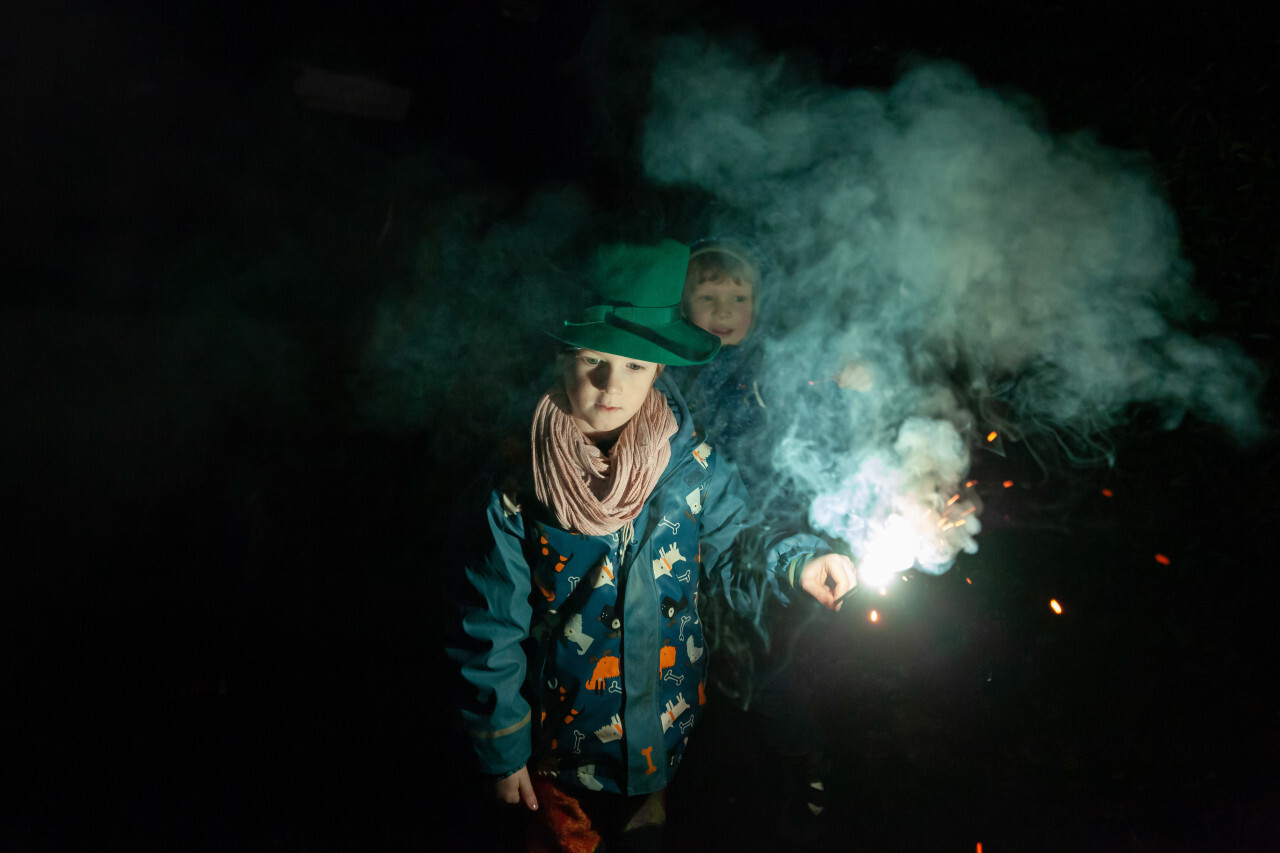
[[1106, 493], [1008, 483], [1162, 559], [992, 436], [1056, 607]]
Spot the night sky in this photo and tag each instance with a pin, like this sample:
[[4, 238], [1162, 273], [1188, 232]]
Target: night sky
[[220, 604]]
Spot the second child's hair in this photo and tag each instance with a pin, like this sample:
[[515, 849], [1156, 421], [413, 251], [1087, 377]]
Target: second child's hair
[[711, 261]]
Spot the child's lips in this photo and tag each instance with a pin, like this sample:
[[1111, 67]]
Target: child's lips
[[724, 333]]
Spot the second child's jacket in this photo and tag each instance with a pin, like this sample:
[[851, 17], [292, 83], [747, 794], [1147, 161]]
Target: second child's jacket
[[583, 656]]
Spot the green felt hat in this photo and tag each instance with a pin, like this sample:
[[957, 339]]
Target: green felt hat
[[637, 314]]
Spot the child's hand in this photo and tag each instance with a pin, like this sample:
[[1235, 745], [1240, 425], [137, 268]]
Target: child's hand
[[516, 789], [828, 578]]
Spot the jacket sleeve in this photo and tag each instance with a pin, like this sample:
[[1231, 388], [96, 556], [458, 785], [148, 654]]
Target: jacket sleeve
[[746, 561], [492, 620]]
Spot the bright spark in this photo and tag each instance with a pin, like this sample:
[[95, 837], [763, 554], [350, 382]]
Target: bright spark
[[1055, 606], [875, 616]]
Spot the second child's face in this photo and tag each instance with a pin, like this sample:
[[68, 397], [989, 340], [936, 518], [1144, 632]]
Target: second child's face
[[605, 391], [723, 307]]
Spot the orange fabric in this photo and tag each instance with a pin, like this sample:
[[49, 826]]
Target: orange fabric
[[559, 825], [562, 825]]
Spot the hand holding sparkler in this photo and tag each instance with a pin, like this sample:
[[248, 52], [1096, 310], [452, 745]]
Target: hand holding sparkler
[[829, 579]]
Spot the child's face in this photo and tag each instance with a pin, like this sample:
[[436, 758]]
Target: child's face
[[605, 391], [723, 307]]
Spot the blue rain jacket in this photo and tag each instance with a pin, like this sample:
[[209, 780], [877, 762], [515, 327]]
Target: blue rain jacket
[[583, 657]]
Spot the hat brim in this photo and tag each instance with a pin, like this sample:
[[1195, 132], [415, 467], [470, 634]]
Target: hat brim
[[677, 344]]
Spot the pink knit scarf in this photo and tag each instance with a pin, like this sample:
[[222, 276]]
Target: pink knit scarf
[[590, 492]]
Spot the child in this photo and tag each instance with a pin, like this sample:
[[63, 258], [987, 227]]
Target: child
[[721, 295], [580, 643]]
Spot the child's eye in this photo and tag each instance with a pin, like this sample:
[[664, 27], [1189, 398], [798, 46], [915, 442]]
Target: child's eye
[[634, 366], [591, 360], [740, 299]]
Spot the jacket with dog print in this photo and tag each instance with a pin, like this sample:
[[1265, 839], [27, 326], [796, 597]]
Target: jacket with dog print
[[583, 656]]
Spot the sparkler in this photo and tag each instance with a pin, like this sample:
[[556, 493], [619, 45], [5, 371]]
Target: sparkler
[[926, 537], [902, 507]]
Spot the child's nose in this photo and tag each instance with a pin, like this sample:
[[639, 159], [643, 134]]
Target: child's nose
[[605, 378]]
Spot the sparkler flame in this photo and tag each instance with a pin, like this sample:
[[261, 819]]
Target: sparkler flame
[[903, 508], [928, 538]]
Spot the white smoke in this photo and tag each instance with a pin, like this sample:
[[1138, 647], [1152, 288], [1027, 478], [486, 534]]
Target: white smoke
[[934, 238]]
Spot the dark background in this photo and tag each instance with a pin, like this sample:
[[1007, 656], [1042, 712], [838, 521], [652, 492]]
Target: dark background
[[220, 611]]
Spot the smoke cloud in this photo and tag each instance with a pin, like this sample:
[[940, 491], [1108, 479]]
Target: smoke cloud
[[935, 239], [458, 349]]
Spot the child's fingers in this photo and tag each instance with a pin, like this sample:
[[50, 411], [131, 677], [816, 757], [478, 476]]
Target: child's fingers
[[816, 579], [828, 579], [526, 792], [516, 789]]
